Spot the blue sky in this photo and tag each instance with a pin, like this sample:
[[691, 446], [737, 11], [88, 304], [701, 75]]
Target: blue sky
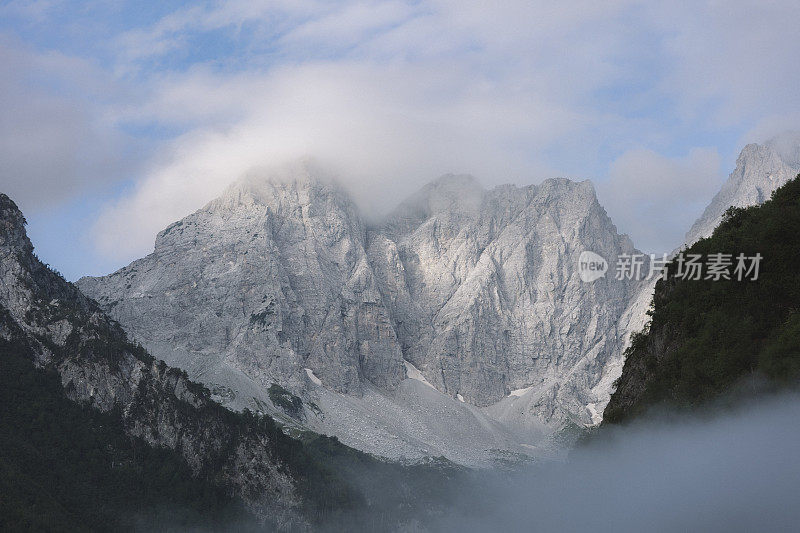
[[121, 117]]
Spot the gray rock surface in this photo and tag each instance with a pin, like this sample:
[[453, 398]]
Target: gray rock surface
[[484, 289], [268, 279], [279, 280]]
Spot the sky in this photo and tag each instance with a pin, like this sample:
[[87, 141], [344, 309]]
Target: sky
[[122, 117]]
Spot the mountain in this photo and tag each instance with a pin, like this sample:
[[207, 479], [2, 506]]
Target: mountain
[[66, 467], [484, 290], [97, 434], [457, 326], [54, 327], [710, 338], [267, 280], [760, 170]]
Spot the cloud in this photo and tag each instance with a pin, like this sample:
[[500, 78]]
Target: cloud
[[388, 94], [54, 141], [382, 134], [655, 198], [392, 93], [733, 472], [730, 61]]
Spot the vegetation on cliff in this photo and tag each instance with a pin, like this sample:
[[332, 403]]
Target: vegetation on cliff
[[708, 338]]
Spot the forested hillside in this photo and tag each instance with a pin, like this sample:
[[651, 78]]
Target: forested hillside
[[710, 337]]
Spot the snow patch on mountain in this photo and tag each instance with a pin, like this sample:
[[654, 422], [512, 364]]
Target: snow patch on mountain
[[520, 392], [314, 379], [414, 373]]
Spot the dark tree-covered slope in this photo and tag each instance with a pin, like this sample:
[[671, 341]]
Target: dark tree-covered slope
[[64, 467], [707, 337]]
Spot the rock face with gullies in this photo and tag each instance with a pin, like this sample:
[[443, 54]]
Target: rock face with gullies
[[280, 280], [484, 289], [61, 330], [268, 279], [760, 170]]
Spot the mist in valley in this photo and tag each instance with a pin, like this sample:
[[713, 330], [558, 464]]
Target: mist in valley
[[736, 469]]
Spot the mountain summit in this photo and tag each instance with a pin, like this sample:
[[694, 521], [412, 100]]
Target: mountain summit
[[760, 170], [473, 295], [51, 333]]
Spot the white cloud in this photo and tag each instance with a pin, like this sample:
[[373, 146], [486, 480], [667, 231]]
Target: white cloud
[[55, 139], [732, 61], [381, 133], [414, 91], [655, 199], [392, 93]]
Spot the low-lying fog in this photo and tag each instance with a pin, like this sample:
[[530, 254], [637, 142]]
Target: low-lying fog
[[734, 471]]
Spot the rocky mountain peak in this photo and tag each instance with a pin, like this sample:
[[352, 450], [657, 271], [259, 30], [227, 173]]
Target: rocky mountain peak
[[451, 186], [303, 178], [12, 225], [583, 189], [474, 292], [450, 197], [787, 146], [296, 202], [760, 170]]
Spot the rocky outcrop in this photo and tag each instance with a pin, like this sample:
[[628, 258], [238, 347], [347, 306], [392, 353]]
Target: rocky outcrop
[[65, 332]]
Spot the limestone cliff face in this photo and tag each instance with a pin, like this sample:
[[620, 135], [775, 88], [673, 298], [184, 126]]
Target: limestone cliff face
[[478, 289], [64, 331], [269, 279], [484, 288]]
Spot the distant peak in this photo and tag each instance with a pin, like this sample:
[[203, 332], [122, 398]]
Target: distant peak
[[456, 181], [787, 146], [570, 184], [451, 192], [264, 184], [568, 188], [451, 188], [300, 171]]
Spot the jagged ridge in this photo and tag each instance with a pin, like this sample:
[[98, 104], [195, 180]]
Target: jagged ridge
[[280, 280]]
